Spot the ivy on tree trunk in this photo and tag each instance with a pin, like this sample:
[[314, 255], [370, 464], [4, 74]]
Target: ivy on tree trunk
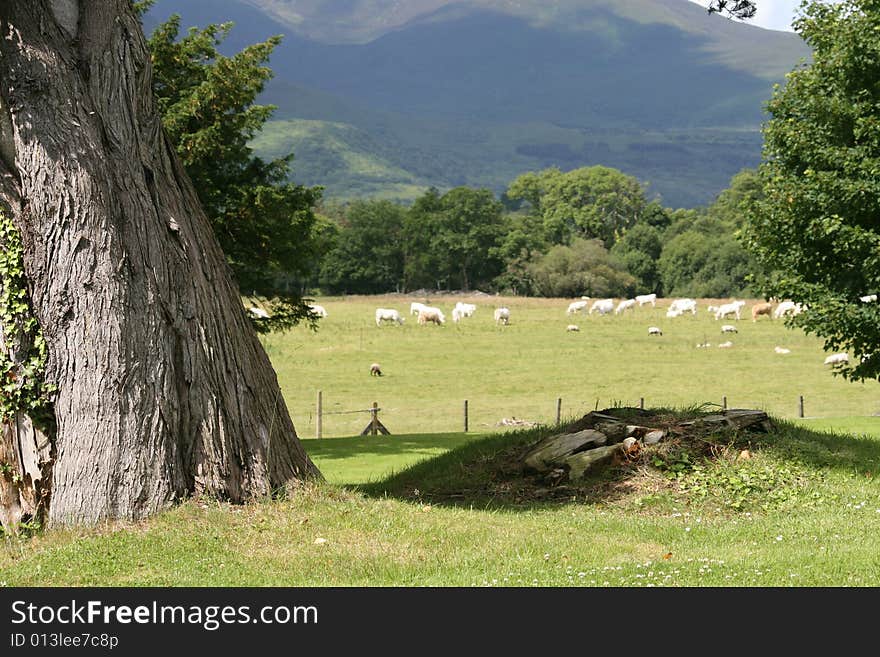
[[163, 388]]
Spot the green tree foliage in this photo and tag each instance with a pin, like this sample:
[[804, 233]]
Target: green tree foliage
[[368, 255], [265, 224], [639, 251], [590, 202], [817, 225], [452, 239], [699, 265], [582, 268]]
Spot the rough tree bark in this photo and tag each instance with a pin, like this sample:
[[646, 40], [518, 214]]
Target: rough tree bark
[[164, 390]]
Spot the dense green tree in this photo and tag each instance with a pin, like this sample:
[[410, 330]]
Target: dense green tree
[[590, 202], [265, 224], [817, 224], [697, 265], [582, 268], [452, 238], [522, 242], [639, 251], [368, 254]]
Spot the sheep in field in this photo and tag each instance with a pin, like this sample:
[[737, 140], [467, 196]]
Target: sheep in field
[[428, 314], [572, 328], [654, 330], [502, 316], [375, 370]]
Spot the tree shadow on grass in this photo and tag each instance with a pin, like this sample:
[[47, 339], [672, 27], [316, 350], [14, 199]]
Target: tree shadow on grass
[[487, 473]]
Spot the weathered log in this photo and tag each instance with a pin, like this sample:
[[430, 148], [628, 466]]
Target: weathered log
[[550, 452], [581, 462]]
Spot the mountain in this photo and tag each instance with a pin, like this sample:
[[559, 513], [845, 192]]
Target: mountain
[[384, 97]]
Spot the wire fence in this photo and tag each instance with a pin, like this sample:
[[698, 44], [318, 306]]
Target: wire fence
[[480, 416]]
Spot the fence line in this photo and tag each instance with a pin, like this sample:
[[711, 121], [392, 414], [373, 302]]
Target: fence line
[[375, 426]]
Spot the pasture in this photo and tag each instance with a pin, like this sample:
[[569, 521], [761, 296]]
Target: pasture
[[803, 511], [518, 371]]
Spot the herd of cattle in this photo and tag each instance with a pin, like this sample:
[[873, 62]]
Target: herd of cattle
[[432, 315]]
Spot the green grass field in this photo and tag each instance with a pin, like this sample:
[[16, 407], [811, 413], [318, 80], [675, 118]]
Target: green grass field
[[411, 508], [518, 371], [810, 516]]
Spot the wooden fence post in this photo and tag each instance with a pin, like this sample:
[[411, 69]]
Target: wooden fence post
[[724, 403], [465, 415], [558, 410], [801, 406], [319, 417], [374, 419], [642, 403]]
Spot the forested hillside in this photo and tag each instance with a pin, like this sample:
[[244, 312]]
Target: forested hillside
[[386, 99]]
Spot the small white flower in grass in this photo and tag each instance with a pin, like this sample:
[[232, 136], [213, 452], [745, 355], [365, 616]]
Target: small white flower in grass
[[320, 541], [687, 529], [546, 556], [778, 538]]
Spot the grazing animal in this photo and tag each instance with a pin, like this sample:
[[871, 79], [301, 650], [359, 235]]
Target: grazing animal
[[318, 310], [463, 310], [781, 350], [761, 309], [642, 299], [388, 315], [576, 306], [258, 312], [375, 370], [430, 314], [711, 309], [785, 308], [836, 359], [682, 306], [572, 327], [626, 304], [727, 328], [602, 306], [725, 345], [654, 330], [415, 307], [869, 298], [732, 308], [502, 316]]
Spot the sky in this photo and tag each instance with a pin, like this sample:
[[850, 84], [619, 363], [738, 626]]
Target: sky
[[772, 14]]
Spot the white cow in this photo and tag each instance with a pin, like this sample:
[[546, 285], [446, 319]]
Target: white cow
[[462, 310], [725, 345], [626, 304], [388, 315], [786, 308], [654, 330], [732, 308], [502, 315], [415, 307], [727, 328], [576, 306], [836, 359], [318, 310], [684, 305], [602, 306], [642, 299], [673, 312], [781, 350]]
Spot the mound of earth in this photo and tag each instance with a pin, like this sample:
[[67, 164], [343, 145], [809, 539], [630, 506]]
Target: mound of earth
[[604, 455]]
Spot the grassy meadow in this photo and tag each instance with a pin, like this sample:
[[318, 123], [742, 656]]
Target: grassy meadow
[[804, 510], [518, 371], [430, 505]]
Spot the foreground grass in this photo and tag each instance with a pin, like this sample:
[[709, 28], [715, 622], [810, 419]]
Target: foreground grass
[[519, 371], [810, 516]]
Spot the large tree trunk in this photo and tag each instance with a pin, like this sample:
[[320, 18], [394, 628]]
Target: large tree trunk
[[163, 389]]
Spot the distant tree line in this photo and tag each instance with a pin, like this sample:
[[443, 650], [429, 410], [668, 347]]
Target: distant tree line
[[590, 231]]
